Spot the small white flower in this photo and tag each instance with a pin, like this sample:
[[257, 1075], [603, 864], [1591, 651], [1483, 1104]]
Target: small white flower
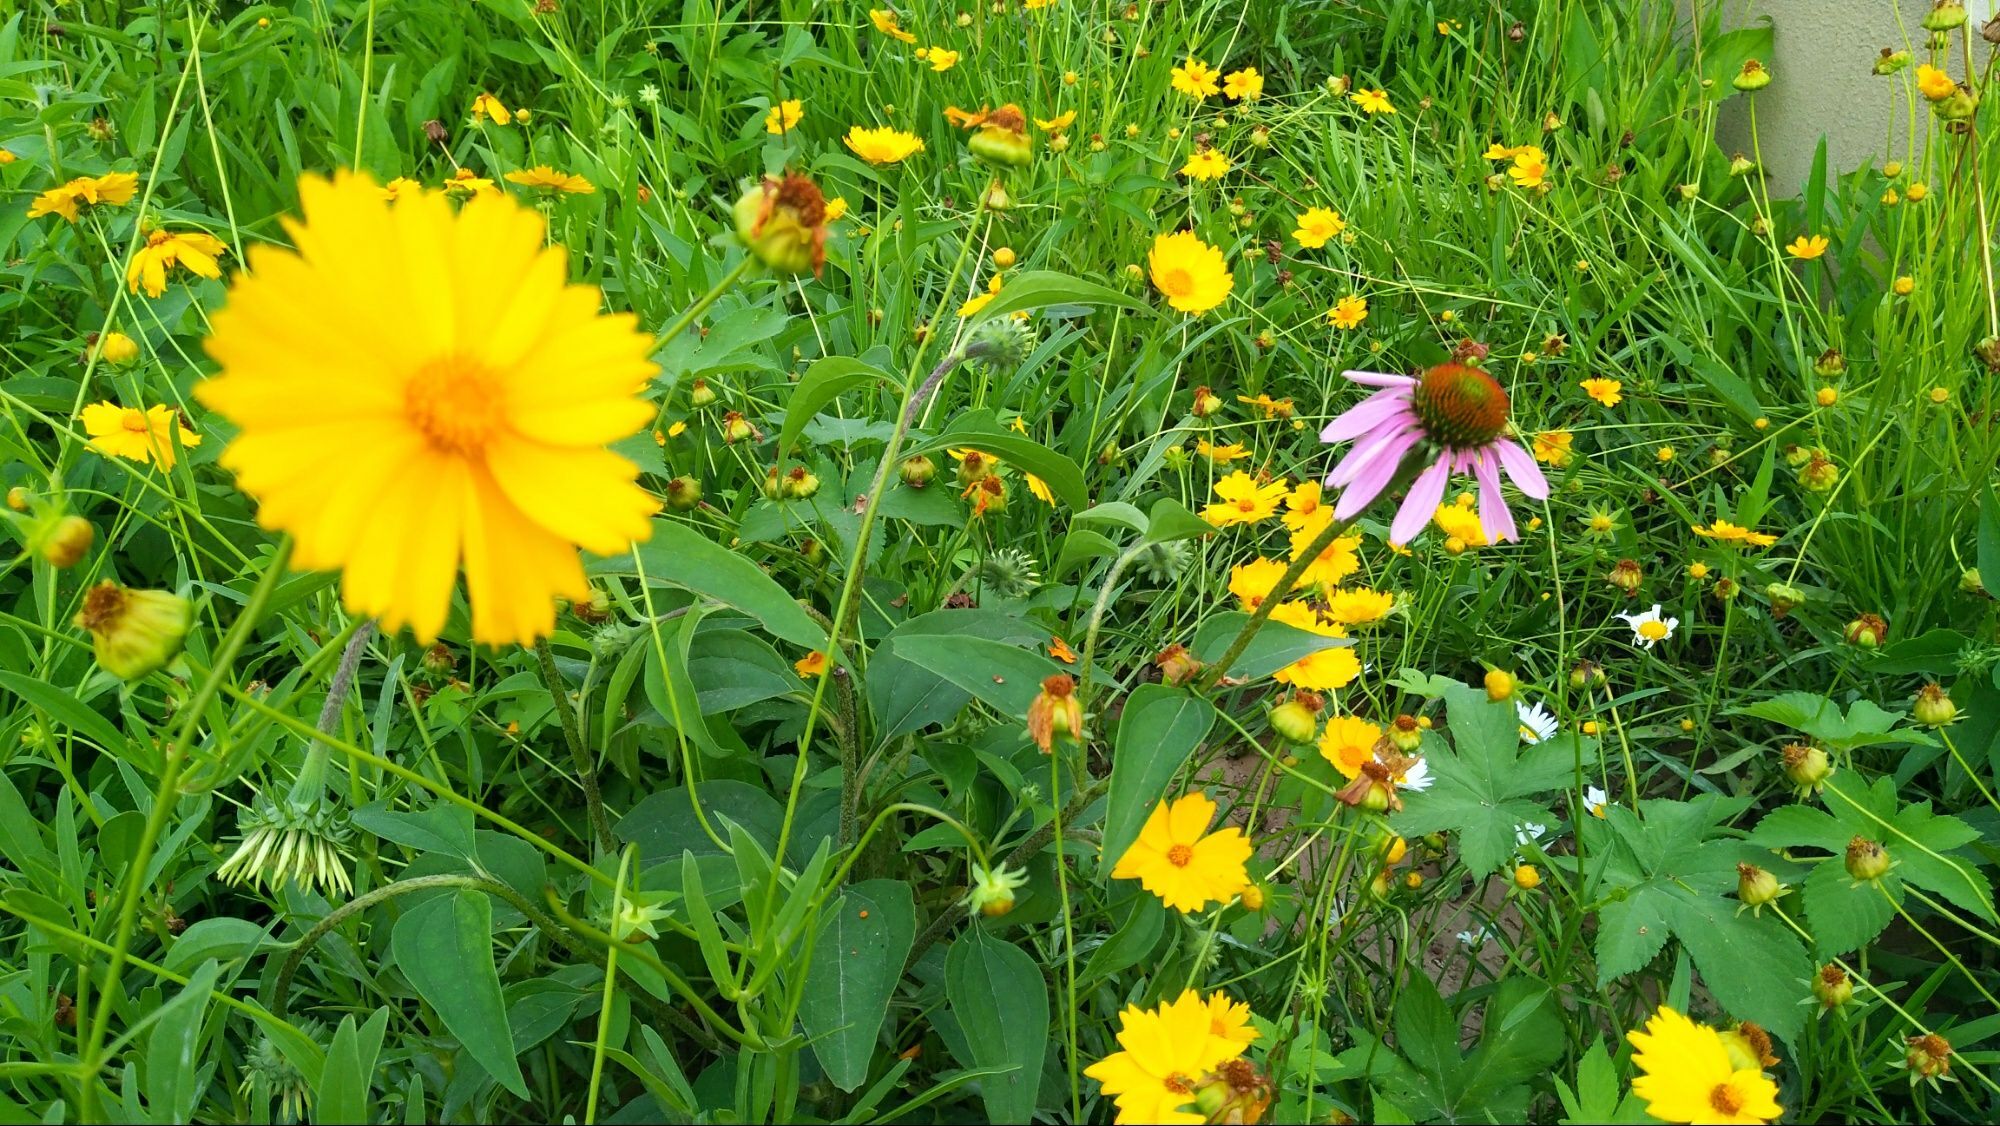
[[1417, 778], [1537, 722], [1527, 832], [1475, 938], [1594, 800], [1650, 627]]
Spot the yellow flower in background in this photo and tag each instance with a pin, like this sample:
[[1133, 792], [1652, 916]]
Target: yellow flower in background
[[164, 250], [1032, 5], [1347, 743], [785, 116], [1359, 606], [407, 418], [975, 303], [885, 21], [549, 180], [1322, 670], [940, 59], [882, 145], [836, 208], [1460, 520], [1196, 79], [466, 183], [1245, 85], [1244, 501], [1553, 447], [1348, 312], [1040, 489], [1934, 84], [1335, 561], [810, 665], [1498, 151], [1305, 505], [1228, 1021], [1253, 582], [1058, 123], [1317, 227], [1268, 407], [154, 434], [1372, 101], [1807, 247], [1189, 272], [1734, 535], [1608, 392], [401, 187], [1167, 1051], [113, 189], [489, 107], [1220, 455], [1686, 1075], [1179, 860], [1531, 167], [1208, 164]]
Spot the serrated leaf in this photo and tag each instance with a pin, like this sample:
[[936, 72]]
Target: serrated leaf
[[1485, 781], [1842, 914]]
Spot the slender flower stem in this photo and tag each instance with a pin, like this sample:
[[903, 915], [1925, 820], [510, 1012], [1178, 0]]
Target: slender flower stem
[[165, 799], [579, 754], [695, 310], [1333, 531], [309, 785]]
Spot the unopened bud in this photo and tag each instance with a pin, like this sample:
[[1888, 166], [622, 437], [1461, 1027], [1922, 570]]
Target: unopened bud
[[1499, 684], [1807, 766], [1933, 707], [917, 471], [1832, 987], [1755, 887], [1866, 859], [1867, 631], [134, 632]]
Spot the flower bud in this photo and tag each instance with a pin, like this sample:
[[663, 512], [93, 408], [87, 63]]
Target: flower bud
[[1752, 77], [992, 893], [683, 493], [1177, 665], [1055, 711], [1740, 165], [1206, 402], [1819, 474], [1807, 766], [1749, 1047], [1969, 580], [700, 394], [438, 661], [800, 484], [1928, 1057], [1627, 576], [774, 485], [1867, 631], [1004, 257], [1889, 62], [1784, 598], [65, 541], [783, 223], [1527, 877], [917, 471], [1297, 719], [735, 428], [117, 349], [1755, 887], [1944, 15], [1933, 707], [1830, 985], [1234, 1092], [1586, 674], [17, 499], [1372, 789], [973, 468], [1499, 684], [1830, 363], [134, 632], [1405, 734], [1002, 138], [1866, 859]]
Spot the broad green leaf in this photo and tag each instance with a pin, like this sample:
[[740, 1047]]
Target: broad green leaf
[[1159, 728], [1033, 289], [221, 938], [1170, 520], [905, 696], [856, 963], [64, 709], [1143, 921], [1274, 646], [444, 946], [663, 824], [1001, 1002], [344, 1087], [678, 554], [1005, 676], [437, 828], [1486, 782], [1722, 56], [175, 1072], [733, 669], [1988, 549], [1114, 512], [977, 432], [826, 380]]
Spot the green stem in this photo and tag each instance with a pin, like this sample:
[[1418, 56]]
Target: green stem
[[579, 754], [698, 308], [1279, 592]]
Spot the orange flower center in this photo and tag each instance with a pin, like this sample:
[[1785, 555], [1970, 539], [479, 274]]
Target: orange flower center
[[1176, 282], [1244, 505], [1725, 1100], [455, 403], [1180, 856], [1179, 1084], [1460, 407], [135, 422]]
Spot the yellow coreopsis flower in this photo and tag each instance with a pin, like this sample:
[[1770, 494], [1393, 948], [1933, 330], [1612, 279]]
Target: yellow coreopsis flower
[[1608, 392], [1347, 743], [1305, 506], [1335, 561], [1934, 84], [1734, 535], [1196, 79], [1552, 447], [812, 664], [401, 187], [1807, 247], [1317, 227], [1244, 501], [882, 145], [164, 250], [940, 59], [1189, 272], [1686, 1075], [1498, 151], [1460, 521], [1040, 489], [1348, 312], [1167, 1051], [1228, 1021], [489, 107], [885, 21], [1058, 123], [154, 434], [1208, 164], [836, 208], [1223, 454], [406, 418], [1322, 670], [1359, 606], [113, 189], [1531, 167], [785, 116], [465, 182], [1179, 860], [1245, 85], [549, 180], [1253, 582], [1372, 101]]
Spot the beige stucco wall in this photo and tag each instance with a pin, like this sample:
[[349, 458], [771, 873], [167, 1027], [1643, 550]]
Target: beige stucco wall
[[1823, 50]]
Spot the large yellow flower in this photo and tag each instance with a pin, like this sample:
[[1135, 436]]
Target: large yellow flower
[[1686, 1075], [1325, 669], [1304, 506], [1244, 501], [1208, 164], [1190, 272], [1317, 226], [883, 145], [417, 387], [1179, 860], [1196, 79], [785, 116], [164, 250], [1460, 521], [1168, 1050], [886, 22], [1347, 743], [1335, 561], [135, 435], [113, 189], [1359, 606], [1254, 581]]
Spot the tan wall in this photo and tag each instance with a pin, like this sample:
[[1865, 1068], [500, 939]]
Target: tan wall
[[1822, 83]]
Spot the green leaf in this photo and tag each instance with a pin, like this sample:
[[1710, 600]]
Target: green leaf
[[1144, 921], [732, 669], [1115, 512], [906, 696], [1845, 915], [1275, 645], [1722, 56], [826, 380], [1001, 1003], [342, 1099], [1033, 289], [1005, 676], [1750, 964], [1486, 780], [444, 946], [680, 555], [221, 938], [976, 431], [65, 709], [1170, 520], [1159, 728], [438, 828], [1989, 539], [663, 824], [175, 1074], [856, 963]]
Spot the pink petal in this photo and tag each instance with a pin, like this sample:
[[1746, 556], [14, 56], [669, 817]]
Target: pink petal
[[1521, 468], [1378, 379], [1390, 443], [1421, 504], [1367, 485], [1366, 415], [1494, 518]]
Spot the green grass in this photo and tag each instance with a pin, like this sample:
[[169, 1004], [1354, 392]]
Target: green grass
[[785, 847]]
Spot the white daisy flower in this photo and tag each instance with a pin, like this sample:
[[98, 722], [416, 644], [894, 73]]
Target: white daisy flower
[[1417, 778], [1649, 627], [1594, 800], [1537, 721], [1476, 937]]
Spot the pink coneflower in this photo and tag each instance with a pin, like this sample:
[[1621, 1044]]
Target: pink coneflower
[[1457, 412]]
